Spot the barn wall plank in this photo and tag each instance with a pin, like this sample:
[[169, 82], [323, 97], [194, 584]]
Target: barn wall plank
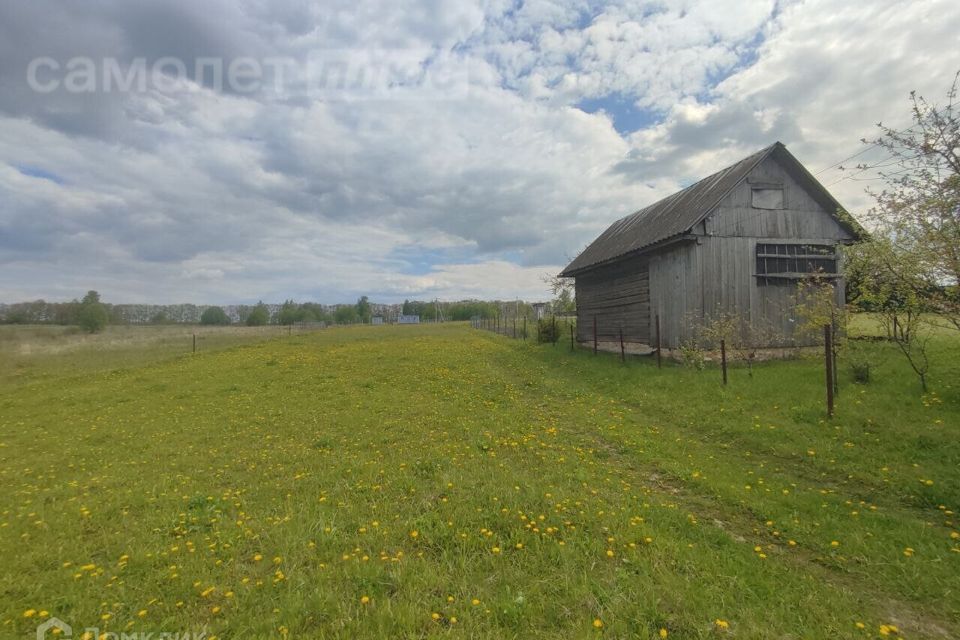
[[616, 296]]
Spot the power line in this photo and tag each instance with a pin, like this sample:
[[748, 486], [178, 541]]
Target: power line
[[910, 129], [837, 164]]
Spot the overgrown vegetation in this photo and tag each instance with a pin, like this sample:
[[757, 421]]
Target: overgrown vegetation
[[908, 271]]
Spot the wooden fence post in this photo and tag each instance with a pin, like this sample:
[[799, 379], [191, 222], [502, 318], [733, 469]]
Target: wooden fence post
[[594, 335], [828, 360], [833, 345], [723, 360], [571, 337], [623, 355], [514, 328], [659, 363], [524, 327], [554, 330]]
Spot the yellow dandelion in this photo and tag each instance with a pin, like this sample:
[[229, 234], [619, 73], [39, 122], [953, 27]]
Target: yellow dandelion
[[29, 613], [663, 632], [365, 600], [597, 623], [721, 624]]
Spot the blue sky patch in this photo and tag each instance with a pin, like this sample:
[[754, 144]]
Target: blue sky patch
[[626, 116], [39, 172]]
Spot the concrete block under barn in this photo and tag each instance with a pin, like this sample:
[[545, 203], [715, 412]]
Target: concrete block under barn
[[738, 241]]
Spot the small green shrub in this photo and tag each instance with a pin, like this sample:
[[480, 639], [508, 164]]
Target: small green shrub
[[692, 356], [548, 330], [93, 317], [214, 316], [862, 360], [860, 372]]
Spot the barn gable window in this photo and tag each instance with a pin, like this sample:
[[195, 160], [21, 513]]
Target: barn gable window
[[766, 196], [795, 261]]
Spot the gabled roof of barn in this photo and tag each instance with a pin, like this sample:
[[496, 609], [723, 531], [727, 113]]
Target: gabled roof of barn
[[677, 214]]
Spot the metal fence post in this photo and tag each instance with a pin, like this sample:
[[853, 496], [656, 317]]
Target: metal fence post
[[828, 359], [723, 360]]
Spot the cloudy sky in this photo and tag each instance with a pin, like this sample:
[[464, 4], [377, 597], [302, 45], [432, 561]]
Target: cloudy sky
[[227, 151]]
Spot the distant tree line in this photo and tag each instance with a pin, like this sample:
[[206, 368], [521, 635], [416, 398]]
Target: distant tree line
[[93, 314], [464, 310]]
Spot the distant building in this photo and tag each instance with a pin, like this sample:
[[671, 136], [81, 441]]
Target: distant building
[[540, 309], [739, 241], [376, 320], [402, 319]]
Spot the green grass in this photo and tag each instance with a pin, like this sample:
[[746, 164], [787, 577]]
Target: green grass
[[34, 352], [264, 490]]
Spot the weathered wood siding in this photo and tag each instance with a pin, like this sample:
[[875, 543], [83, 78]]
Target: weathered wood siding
[[676, 292], [717, 271], [802, 216], [616, 296]]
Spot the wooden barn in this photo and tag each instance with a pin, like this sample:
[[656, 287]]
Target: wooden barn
[[738, 240]]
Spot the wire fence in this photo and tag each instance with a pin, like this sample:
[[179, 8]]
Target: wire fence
[[598, 334], [557, 329], [551, 329]]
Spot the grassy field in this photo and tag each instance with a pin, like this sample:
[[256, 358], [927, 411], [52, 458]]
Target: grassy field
[[385, 482], [30, 353]]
